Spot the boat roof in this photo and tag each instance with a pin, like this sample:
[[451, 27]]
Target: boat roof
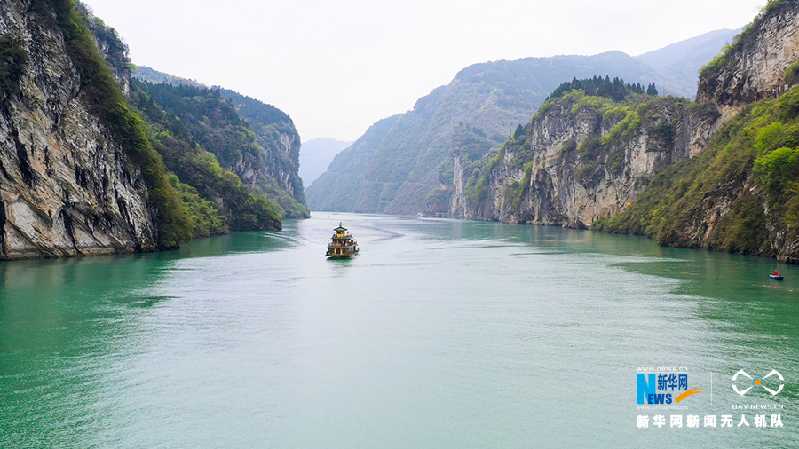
[[340, 228]]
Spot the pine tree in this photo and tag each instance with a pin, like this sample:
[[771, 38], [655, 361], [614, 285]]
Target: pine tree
[[519, 132]]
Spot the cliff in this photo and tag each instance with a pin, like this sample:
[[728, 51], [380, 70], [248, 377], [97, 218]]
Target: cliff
[[477, 111], [579, 159], [720, 174], [69, 186], [754, 67], [79, 173], [216, 124], [276, 134], [273, 165], [217, 199], [740, 194]]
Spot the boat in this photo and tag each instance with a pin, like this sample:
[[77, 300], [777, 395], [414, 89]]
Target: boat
[[341, 245], [776, 277]]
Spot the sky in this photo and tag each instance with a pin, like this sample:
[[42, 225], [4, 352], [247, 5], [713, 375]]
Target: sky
[[336, 67]]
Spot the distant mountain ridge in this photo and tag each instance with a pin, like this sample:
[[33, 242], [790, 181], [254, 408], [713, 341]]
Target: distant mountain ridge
[[681, 61], [478, 110], [408, 169]]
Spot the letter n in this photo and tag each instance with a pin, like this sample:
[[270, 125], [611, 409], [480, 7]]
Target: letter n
[[645, 388]]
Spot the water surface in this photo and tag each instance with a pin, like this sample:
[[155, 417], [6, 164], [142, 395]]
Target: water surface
[[440, 334]]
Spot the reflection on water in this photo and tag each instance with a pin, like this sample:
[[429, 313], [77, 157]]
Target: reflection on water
[[440, 333]]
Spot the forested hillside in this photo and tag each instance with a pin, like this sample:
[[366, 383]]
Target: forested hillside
[[741, 194], [216, 197], [214, 123], [277, 170]]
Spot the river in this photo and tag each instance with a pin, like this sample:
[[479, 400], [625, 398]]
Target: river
[[440, 334]]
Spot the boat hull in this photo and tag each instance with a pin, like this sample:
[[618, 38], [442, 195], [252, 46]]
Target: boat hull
[[776, 278], [347, 255], [340, 256]]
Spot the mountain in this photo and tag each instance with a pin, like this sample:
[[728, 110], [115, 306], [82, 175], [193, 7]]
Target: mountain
[[197, 151], [482, 105], [584, 156], [153, 76], [316, 155], [79, 175], [344, 175], [91, 163], [681, 61], [272, 169], [720, 173]]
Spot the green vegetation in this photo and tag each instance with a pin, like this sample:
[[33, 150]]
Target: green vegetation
[[465, 120], [205, 216], [615, 124], [215, 124], [201, 170], [13, 58], [113, 48], [615, 89], [791, 73], [752, 163], [104, 98]]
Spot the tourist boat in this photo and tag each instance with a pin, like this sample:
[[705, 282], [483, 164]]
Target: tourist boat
[[341, 244]]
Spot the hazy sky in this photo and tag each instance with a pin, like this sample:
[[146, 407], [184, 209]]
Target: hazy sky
[[336, 67]]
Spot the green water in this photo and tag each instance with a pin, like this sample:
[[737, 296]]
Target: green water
[[440, 334]]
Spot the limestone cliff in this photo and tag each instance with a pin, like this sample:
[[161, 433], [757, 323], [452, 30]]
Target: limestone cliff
[[66, 185], [720, 174], [581, 158], [739, 195], [273, 169], [475, 112], [754, 67]]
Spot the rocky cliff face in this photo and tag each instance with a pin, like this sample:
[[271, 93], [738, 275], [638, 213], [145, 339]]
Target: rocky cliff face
[[576, 162], [754, 67], [719, 174], [273, 169], [276, 134], [66, 187], [482, 105]]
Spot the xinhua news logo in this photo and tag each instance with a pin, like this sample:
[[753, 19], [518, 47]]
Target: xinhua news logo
[[663, 388]]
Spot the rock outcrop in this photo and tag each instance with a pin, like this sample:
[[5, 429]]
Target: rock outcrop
[[477, 111], [273, 168], [576, 163], [718, 174], [753, 68], [66, 186]]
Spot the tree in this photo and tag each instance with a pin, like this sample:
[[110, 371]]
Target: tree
[[519, 132]]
